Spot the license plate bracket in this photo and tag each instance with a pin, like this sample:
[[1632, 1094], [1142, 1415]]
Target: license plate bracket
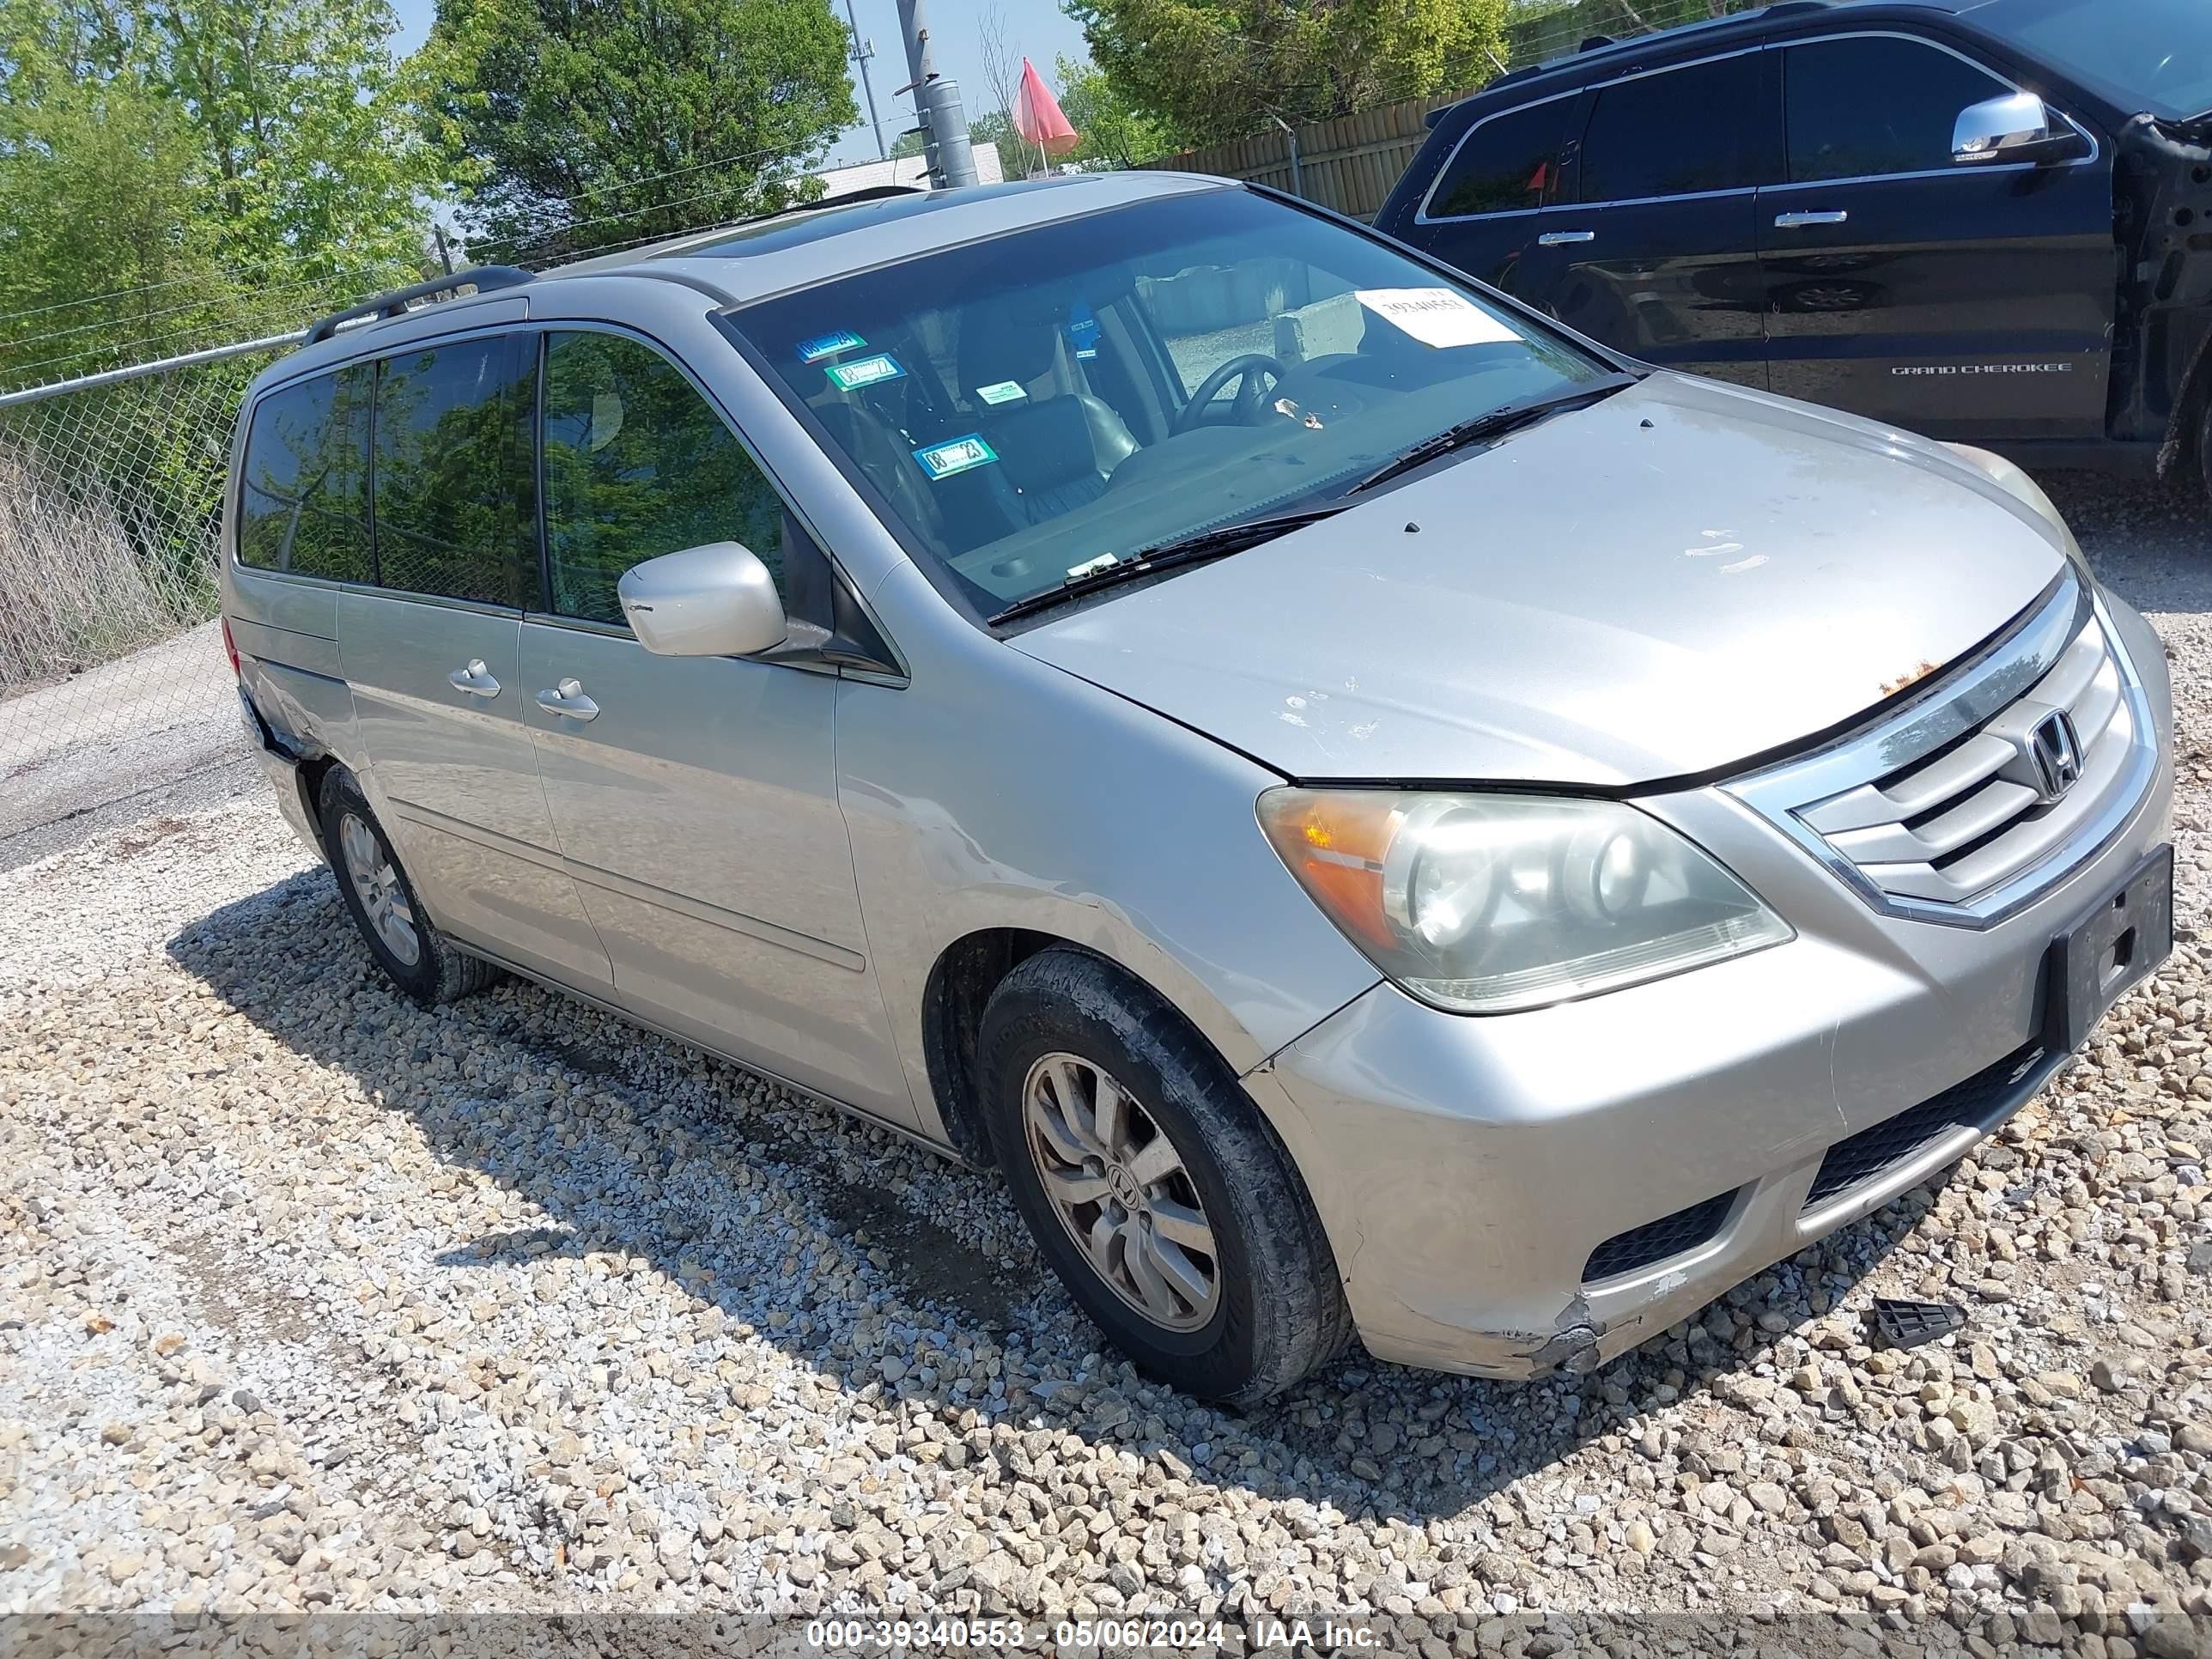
[[2116, 945]]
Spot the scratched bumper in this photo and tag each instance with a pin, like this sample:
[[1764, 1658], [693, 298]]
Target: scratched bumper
[[1466, 1170]]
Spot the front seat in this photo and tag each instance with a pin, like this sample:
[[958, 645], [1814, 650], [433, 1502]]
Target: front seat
[[1058, 443]]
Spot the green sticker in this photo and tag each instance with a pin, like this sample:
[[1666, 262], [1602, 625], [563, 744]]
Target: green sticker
[[955, 455], [864, 371], [1001, 391]]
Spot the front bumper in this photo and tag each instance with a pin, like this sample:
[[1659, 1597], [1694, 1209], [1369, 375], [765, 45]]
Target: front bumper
[[1469, 1170]]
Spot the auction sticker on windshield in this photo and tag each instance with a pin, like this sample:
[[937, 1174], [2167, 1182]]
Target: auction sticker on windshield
[[955, 455], [828, 345], [865, 371], [1435, 316]]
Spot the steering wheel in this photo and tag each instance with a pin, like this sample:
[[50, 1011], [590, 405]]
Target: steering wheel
[[1247, 367]]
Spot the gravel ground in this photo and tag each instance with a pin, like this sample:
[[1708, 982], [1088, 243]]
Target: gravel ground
[[311, 1299]]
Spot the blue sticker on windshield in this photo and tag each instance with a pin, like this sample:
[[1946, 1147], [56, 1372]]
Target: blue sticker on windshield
[[1083, 331], [955, 455], [828, 345], [864, 371]]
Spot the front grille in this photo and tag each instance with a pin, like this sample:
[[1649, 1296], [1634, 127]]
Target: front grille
[[1951, 825], [1939, 813], [1655, 1241], [1980, 1103]]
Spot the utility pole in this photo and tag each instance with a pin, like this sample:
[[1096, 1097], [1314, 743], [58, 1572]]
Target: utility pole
[[937, 103], [862, 51]]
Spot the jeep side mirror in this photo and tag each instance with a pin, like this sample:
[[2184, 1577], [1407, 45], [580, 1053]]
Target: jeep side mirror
[[2016, 128], [718, 600]]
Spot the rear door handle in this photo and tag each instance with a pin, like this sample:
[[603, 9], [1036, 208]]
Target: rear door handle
[[476, 679], [1799, 220], [569, 701], [1566, 238]]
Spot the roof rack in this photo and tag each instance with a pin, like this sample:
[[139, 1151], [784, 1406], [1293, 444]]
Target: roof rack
[[483, 278]]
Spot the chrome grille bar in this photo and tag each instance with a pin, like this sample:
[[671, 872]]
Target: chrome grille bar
[[1944, 812]]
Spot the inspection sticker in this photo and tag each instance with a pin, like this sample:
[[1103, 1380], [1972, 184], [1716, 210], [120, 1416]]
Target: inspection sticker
[[1002, 391], [955, 455], [828, 345], [864, 371], [1434, 316]]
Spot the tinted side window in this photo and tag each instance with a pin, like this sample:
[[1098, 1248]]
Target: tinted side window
[[1876, 105], [1509, 162], [453, 473], [303, 499], [1675, 134], [637, 464]]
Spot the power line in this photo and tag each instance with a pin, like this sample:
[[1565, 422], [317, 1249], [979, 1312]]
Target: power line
[[167, 311], [177, 282]]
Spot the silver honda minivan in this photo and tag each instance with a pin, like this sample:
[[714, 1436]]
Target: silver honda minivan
[[1378, 816]]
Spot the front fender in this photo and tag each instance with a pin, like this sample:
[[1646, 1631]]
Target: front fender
[[996, 792]]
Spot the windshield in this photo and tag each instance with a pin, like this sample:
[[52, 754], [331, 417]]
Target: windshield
[[2154, 55], [1044, 403]]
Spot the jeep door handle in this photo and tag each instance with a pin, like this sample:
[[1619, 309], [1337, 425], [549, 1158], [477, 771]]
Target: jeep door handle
[[1566, 238], [476, 679], [1799, 220], [567, 701]]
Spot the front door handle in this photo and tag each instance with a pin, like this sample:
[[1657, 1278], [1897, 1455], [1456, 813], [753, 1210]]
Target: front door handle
[[1799, 220], [567, 700], [476, 679], [1566, 238]]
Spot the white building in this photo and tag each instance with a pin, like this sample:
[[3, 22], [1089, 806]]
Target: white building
[[903, 170]]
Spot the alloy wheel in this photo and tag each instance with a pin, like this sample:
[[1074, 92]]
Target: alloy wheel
[[1119, 1187], [376, 883]]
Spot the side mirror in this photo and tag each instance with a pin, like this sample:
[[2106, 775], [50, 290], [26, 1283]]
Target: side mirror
[[718, 600], [2017, 127]]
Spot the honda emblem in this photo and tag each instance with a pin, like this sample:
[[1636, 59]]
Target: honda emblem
[[2054, 751]]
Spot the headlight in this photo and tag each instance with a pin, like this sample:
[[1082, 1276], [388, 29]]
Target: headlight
[[1484, 904]]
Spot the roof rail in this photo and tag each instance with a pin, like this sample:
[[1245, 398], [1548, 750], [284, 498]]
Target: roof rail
[[865, 193], [1595, 43], [483, 278]]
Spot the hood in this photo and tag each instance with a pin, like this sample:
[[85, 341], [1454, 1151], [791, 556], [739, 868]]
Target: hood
[[1682, 577]]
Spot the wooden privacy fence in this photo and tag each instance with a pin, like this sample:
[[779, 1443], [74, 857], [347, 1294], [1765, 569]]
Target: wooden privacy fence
[[1350, 163]]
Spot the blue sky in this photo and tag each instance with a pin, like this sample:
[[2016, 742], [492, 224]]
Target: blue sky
[[1038, 27]]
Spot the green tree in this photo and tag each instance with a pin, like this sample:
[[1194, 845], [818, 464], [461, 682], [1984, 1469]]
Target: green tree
[[1113, 133], [1213, 70], [584, 124], [173, 175]]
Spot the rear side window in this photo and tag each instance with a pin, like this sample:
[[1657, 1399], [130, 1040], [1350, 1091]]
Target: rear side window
[[638, 463], [454, 501], [1510, 163], [1678, 133], [1876, 105], [303, 498]]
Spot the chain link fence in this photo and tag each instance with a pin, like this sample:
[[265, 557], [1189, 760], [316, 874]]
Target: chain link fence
[[113, 683]]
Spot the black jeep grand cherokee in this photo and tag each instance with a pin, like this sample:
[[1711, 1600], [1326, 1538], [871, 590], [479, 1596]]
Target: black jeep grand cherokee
[[1987, 221]]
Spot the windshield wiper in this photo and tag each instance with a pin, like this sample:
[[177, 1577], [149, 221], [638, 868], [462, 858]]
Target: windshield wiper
[[1496, 424], [1177, 555]]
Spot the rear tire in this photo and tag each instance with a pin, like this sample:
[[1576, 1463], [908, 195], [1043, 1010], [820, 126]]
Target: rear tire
[[1174, 1217], [407, 946]]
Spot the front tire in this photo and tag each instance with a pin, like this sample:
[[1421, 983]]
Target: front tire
[[407, 946], [1152, 1185]]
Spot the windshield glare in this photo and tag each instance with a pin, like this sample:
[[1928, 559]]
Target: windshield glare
[[2154, 55], [1028, 408]]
